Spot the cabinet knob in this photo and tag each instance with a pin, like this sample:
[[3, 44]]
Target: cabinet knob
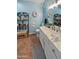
[[54, 53]]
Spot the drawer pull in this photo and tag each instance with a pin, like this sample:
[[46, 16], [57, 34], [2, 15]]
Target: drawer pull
[[54, 53]]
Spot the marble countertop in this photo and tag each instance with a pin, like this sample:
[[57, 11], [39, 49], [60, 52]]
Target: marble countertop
[[54, 37]]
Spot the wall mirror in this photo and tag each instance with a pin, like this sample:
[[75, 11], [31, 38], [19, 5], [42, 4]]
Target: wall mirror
[[54, 16]]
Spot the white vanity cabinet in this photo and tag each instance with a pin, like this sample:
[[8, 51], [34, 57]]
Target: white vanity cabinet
[[50, 50]]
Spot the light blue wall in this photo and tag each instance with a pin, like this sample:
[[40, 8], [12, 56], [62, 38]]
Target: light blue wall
[[45, 8], [29, 7], [41, 9]]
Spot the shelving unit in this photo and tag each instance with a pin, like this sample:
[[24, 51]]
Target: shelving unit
[[57, 20], [22, 24]]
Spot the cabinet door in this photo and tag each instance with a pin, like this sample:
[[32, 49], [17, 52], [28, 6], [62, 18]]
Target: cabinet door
[[53, 49], [41, 37], [58, 53], [49, 53]]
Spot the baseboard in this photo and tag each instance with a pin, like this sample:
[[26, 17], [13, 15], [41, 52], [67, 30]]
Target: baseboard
[[32, 33]]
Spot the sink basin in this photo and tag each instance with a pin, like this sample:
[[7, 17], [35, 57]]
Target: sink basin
[[56, 37]]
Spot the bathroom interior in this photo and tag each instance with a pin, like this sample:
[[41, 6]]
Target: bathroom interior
[[38, 29]]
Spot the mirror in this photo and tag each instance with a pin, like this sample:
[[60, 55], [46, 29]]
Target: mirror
[[54, 16]]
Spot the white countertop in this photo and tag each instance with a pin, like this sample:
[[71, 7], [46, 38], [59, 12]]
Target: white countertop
[[51, 36]]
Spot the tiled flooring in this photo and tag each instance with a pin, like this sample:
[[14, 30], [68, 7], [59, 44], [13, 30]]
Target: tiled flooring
[[29, 48]]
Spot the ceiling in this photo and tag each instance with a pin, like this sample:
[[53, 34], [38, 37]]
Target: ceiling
[[35, 1]]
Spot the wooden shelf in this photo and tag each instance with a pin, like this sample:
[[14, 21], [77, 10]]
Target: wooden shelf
[[23, 28]]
